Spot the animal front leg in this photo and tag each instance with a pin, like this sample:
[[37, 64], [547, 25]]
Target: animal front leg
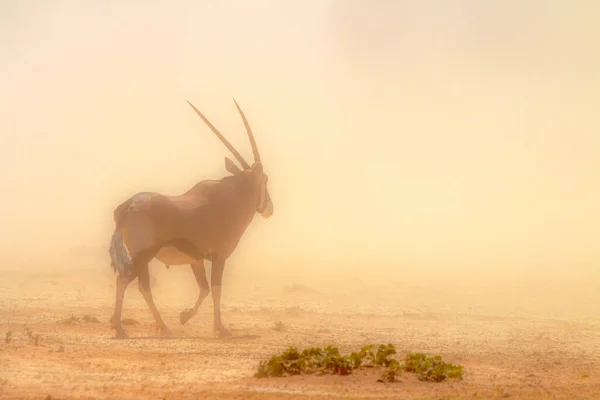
[[216, 277], [200, 274], [144, 286]]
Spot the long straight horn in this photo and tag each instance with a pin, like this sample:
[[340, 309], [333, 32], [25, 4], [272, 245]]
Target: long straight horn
[[222, 138], [250, 135]]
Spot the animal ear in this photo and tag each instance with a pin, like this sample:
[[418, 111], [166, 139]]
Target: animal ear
[[231, 167]]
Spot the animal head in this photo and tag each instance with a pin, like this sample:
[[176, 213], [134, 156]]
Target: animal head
[[256, 173]]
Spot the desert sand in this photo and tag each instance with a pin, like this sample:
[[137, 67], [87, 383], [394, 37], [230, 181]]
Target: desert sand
[[433, 166], [523, 340]]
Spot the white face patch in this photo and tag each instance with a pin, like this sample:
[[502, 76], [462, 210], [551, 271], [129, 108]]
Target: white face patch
[[265, 205], [263, 196], [268, 210]]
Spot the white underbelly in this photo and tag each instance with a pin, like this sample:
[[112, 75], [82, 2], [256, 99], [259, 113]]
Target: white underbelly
[[169, 255]]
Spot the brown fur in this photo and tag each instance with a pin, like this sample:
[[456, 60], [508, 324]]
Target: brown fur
[[204, 223], [212, 216]]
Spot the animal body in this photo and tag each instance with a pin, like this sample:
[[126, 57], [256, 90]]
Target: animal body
[[204, 223]]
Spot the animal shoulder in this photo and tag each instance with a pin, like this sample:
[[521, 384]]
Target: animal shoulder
[[206, 192], [213, 186]]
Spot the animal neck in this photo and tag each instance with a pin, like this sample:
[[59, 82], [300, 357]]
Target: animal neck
[[246, 193]]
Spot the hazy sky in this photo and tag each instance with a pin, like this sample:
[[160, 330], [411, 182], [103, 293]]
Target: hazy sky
[[453, 133]]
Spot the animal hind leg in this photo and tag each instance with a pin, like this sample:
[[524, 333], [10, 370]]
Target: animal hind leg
[[122, 283], [200, 274], [144, 286], [138, 239]]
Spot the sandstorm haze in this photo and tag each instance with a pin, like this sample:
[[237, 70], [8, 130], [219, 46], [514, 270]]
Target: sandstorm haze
[[434, 167], [429, 138]]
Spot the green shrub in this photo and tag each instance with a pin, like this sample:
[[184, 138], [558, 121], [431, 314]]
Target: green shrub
[[329, 360], [432, 369], [390, 374]]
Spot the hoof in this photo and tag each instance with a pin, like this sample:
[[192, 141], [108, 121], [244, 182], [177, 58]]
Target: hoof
[[222, 332], [164, 331], [186, 315], [121, 334]]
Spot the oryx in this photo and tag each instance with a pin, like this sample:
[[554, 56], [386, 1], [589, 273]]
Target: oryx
[[204, 223]]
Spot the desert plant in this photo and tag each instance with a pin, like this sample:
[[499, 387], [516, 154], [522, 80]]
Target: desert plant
[[33, 338], [432, 369], [75, 319], [390, 374], [384, 352], [314, 359], [130, 321], [90, 319], [71, 320], [329, 360]]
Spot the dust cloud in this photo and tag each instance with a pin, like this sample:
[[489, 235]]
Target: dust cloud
[[435, 158]]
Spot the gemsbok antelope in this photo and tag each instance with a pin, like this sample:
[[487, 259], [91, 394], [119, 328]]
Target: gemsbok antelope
[[204, 223]]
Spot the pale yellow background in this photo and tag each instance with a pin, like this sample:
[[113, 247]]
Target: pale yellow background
[[432, 136]]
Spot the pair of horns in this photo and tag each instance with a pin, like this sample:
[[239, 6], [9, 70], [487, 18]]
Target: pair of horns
[[233, 151]]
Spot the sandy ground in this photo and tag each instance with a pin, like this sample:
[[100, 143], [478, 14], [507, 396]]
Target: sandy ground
[[522, 341]]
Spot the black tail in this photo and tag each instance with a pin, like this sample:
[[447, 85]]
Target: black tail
[[120, 259]]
